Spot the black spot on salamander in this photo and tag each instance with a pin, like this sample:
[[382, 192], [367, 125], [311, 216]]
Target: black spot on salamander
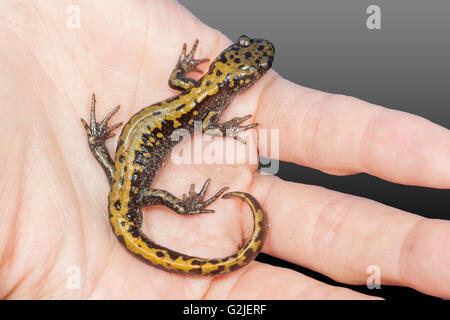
[[219, 269], [260, 48], [156, 112], [121, 158], [121, 180], [234, 267], [237, 60], [218, 73], [196, 271], [134, 231], [180, 107], [122, 223], [125, 168], [231, 56], [248, 55], [150, 244], [174, 255], [257, 61], [214, 261], [222, 59], [159, 254], [198, 262], [208, 83], [117, 204]]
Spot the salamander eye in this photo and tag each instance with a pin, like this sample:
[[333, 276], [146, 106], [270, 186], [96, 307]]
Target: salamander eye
[[244, 41]]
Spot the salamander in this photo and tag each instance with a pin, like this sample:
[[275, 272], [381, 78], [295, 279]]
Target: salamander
[[147, 139]]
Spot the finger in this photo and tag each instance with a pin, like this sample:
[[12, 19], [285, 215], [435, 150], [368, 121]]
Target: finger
[[341, 235], [263, 281], [343, 135]]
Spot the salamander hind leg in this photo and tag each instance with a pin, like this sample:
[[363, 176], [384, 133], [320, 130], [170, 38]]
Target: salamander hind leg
[[190, 204], [98, 133], [186, 63], [229, 129]]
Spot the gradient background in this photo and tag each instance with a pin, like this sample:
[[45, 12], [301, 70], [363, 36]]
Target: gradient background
[[325, 44]]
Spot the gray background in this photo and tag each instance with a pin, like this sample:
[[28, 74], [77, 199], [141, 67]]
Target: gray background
[[325, 44]]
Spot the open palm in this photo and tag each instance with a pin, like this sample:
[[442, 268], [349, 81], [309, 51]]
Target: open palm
[[54, 194]]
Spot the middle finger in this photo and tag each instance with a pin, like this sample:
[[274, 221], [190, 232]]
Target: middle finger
[[341, 235]]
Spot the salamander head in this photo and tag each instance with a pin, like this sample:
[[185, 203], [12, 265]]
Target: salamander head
[[244, 62]]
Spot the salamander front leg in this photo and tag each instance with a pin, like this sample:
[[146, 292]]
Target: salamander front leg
[[186, 63], [97, 133], [190, 204], [230, 128]]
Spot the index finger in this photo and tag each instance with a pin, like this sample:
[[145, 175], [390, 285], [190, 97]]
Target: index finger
[[340, 135]]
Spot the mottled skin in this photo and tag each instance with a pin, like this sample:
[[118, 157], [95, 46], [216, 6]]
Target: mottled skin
[[146, 141]]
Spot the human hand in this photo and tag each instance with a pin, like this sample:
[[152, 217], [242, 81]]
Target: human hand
[[53, 192]]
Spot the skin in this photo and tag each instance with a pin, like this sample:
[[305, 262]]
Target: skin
[[54, 201]]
